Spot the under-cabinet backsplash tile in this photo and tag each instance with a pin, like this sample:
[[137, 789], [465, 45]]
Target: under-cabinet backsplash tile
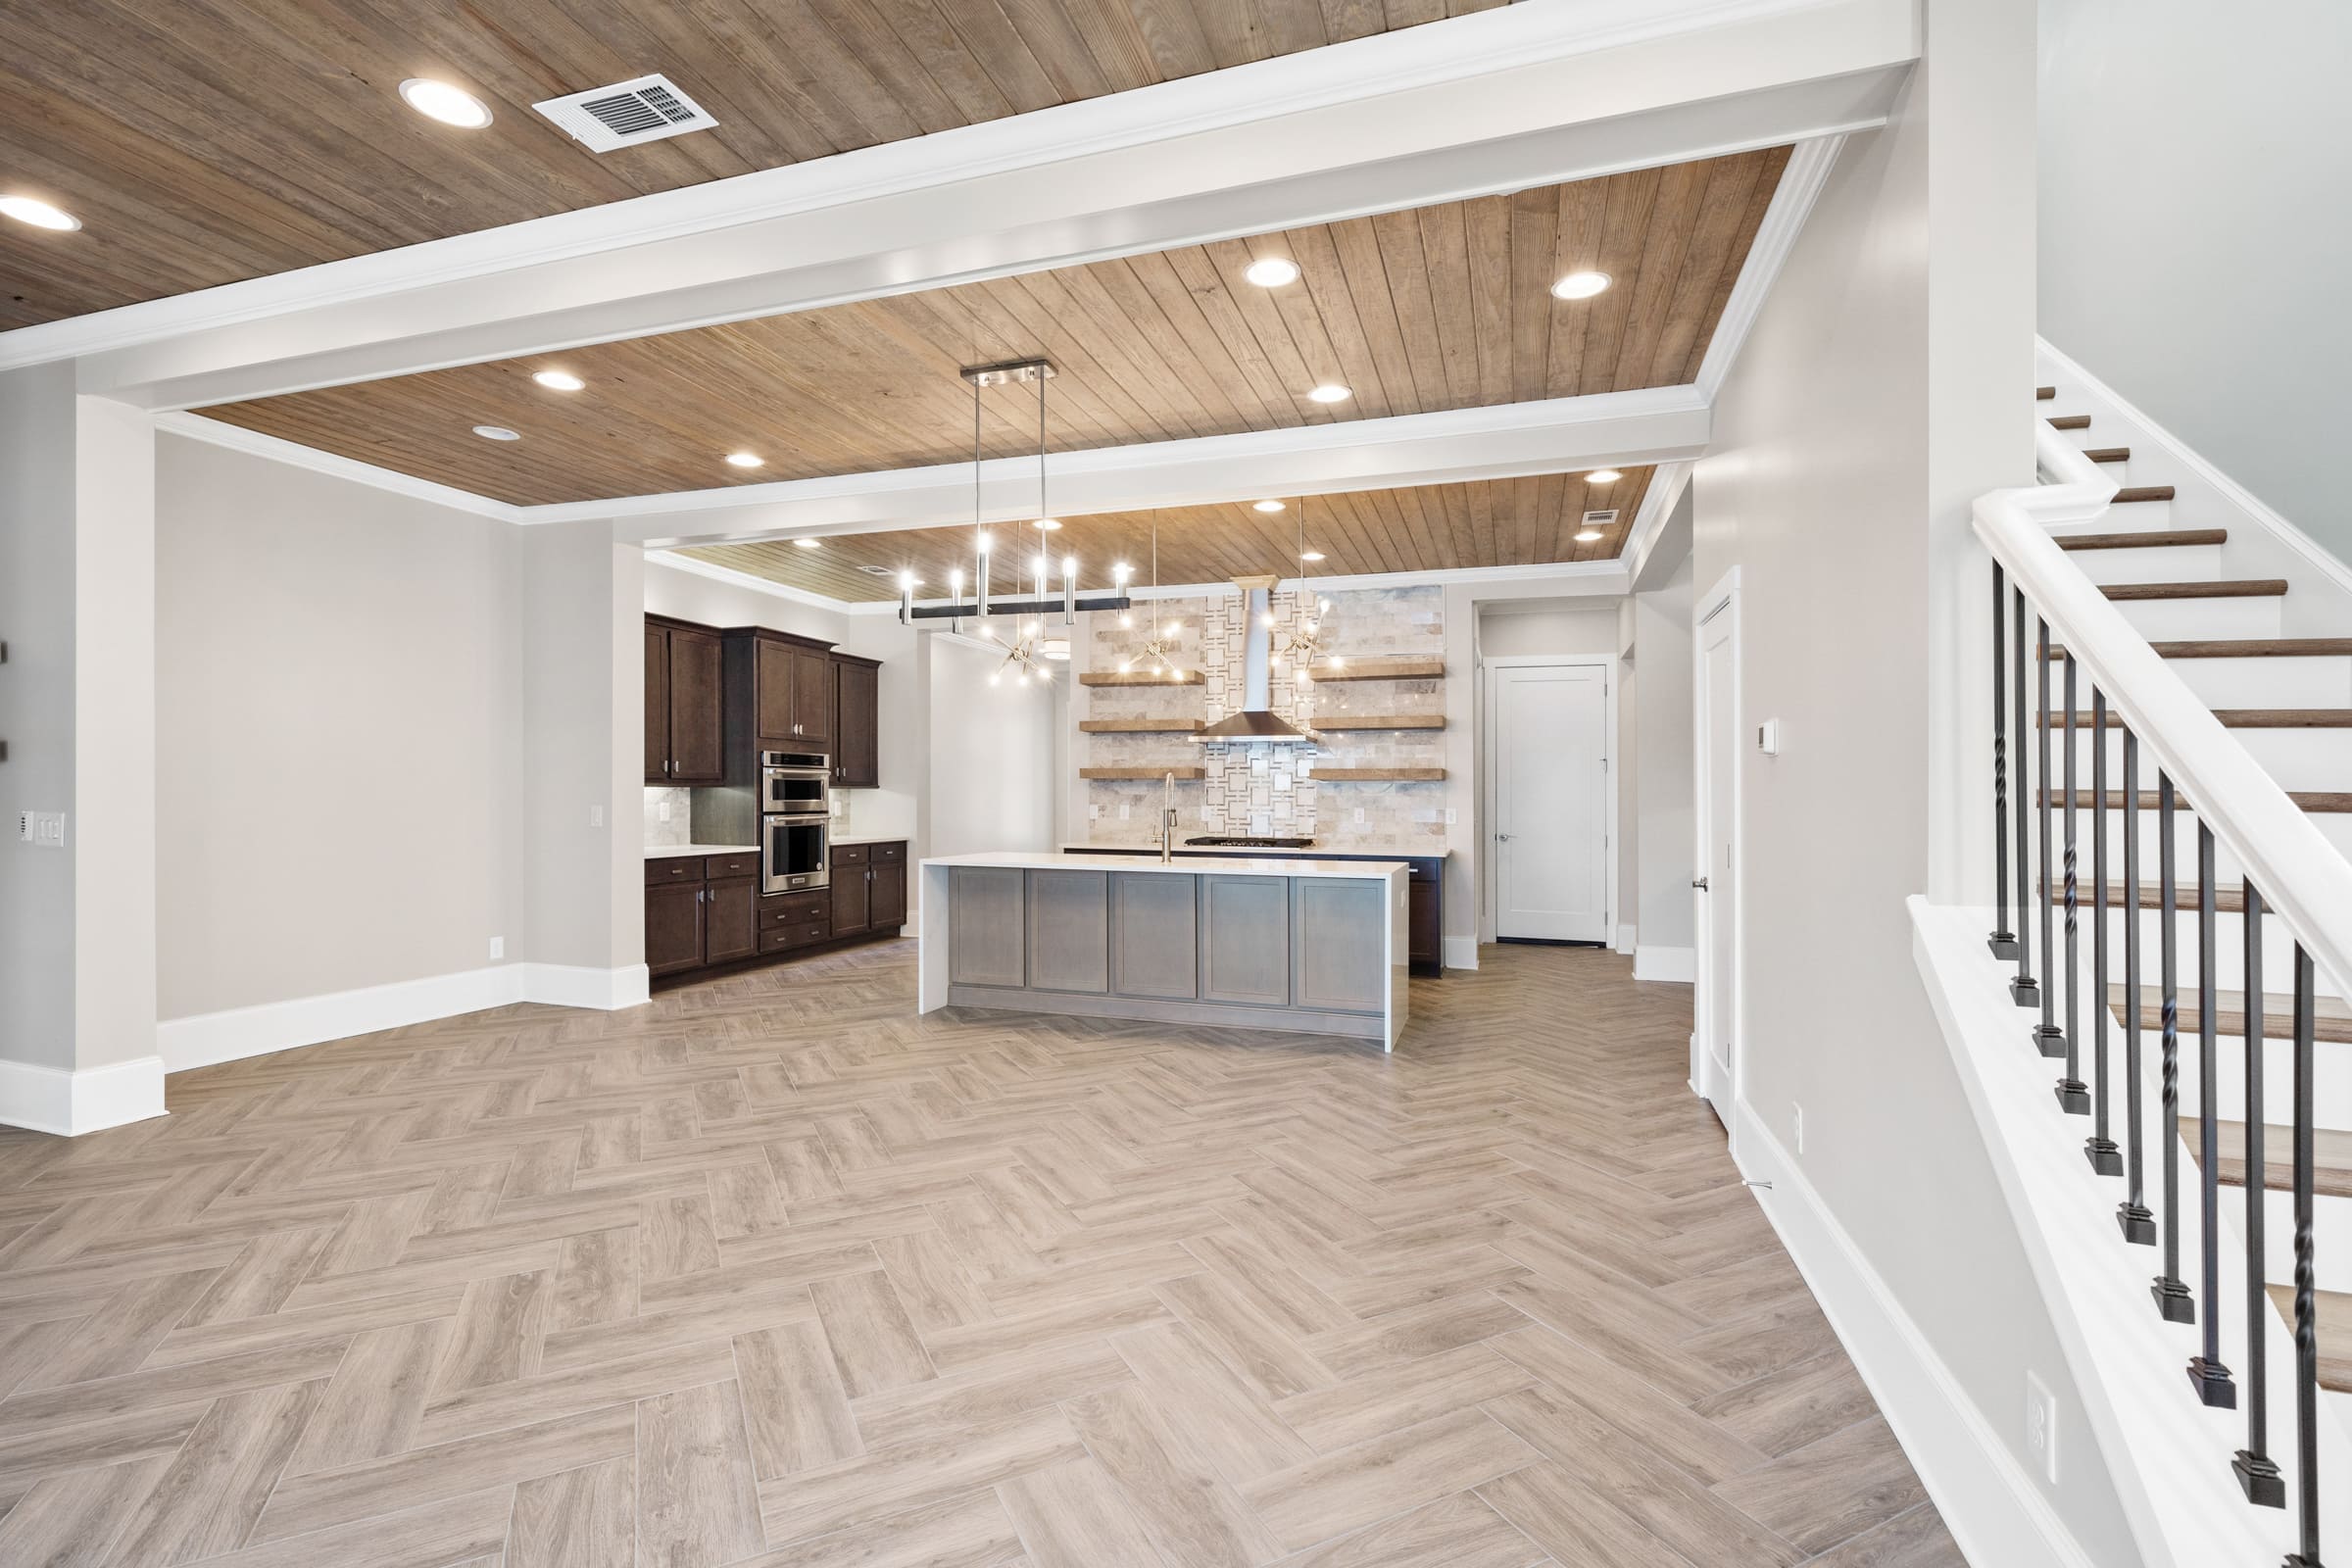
[[679, 829]]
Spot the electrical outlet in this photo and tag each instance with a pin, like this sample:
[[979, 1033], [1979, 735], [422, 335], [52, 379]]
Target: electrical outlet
[[1797, 1126], [497, 947], [2041, 1428], [43, 830], [1449, 816], [596, 817], [662, 807], [1359, 816], [1122, 810], [1094, 811]]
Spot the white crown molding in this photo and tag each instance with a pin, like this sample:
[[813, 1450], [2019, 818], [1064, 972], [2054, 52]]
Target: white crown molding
[[761, 585], [1807, 171], [1474, 105], [1666, 487], [239, 439]]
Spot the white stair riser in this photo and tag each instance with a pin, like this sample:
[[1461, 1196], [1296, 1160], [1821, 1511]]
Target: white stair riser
[[2331, 1231], [2153, 563], [2331, 1078], [2198, 620], [2229, 950], [2294, 682], [2140, 516], [2296, 759], [2335, 826]]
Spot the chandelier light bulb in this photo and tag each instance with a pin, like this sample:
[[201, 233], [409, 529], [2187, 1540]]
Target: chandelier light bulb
[[984, 544], [996, 677], [1126, 621]]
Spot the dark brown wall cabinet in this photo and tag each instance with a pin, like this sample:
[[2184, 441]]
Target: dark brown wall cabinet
[[683, 711], [785, 684], [856, 722]]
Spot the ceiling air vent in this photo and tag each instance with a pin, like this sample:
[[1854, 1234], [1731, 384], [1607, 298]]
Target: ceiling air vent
[[639, 110], [1600, 519]]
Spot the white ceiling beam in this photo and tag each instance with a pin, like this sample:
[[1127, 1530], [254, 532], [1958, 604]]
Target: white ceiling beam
[[1453, 447], [1501, 100]]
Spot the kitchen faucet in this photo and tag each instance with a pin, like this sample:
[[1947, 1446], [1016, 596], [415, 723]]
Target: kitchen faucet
[[1167, 819]]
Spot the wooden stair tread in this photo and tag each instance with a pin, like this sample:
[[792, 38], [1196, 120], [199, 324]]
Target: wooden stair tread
[[2234, 718], [2230, 900], [2141, 492], [2232, 1022], [2108, 453], [2327, 800], [2255, 648], [2044, 393], [2225, 588], [2071, 422], [2335, 1008], [2332, 1311], [2154, 539], [2331, 1147]]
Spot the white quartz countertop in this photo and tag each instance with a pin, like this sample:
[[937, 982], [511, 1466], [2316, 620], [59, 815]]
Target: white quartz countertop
[[664, 852], [1079, 861], [868, 838], [1379, 851]]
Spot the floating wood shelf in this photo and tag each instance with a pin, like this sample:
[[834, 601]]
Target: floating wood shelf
[[1138, 677], [1379, 776], [1397, 669], [1148, 774], [1142, 726], [1382, 721]]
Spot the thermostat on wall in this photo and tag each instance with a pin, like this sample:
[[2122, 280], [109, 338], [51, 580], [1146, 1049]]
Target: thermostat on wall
[[1767, 737]]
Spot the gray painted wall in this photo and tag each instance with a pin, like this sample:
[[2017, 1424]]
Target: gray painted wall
[[2194, 163], [1846, 442], [1662, 743]]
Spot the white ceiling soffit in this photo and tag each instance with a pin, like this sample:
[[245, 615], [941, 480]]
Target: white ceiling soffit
[[1500, 100]]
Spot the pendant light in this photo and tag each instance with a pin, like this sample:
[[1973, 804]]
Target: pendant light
[[1159, 655]]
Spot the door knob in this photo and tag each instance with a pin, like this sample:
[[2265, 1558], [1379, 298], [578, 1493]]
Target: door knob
[[1502, 838], [1700, 883]]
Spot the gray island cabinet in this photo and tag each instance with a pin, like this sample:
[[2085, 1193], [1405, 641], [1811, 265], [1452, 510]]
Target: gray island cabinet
[[1318, 947]]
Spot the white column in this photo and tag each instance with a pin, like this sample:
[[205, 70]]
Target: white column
[[77, 1047]]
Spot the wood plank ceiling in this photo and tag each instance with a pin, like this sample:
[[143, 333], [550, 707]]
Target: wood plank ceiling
[[202, 143], [1445, 307], [1493, 524]]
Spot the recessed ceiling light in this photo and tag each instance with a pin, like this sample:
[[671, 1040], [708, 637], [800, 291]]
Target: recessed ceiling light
[[1267, 505], [452, 106], [1046, 526], [559, 381], [1579, 285], [1271, 271], [1331, 392], [40, 214], [497, 432], [808, 544], [1587, 535], [1311, 555], [746, 460], [1604, 476]]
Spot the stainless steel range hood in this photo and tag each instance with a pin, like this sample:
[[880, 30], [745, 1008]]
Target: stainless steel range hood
[[1256, 719]]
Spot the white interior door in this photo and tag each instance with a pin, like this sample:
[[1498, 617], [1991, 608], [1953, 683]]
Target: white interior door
[[1718, 857], [1551, 801]]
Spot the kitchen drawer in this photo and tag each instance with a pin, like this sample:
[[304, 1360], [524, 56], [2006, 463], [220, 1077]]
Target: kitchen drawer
[[1422, 870], [776, 938], [795, 909], [850, 854], [893, 852], [673, 869], [744, 862]]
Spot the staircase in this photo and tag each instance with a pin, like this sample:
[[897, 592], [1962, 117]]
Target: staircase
[[2171, 569], [2160, 1053]]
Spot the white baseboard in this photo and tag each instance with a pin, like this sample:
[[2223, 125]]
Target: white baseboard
[[51, 1100], [1652, 963], [1626, 938], [1993, 1509], [1460, 953], [236, 1033]]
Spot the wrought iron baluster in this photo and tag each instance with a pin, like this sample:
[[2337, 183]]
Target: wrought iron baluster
[[2307, 1322], [2046, 1037], [2023, 990], [2099, 1147], [2072, 1098], [2138, 1225], [2002, 941], [2257, 1472], [2206, 1371], [2171, 1297]]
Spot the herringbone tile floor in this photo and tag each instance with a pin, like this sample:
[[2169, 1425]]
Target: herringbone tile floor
[[773, 1272]]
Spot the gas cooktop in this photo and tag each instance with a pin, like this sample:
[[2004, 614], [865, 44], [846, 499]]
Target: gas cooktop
[[1215, 842]]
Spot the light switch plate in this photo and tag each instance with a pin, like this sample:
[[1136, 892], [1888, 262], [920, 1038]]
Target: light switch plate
[[2042, 1427], [43, 830]]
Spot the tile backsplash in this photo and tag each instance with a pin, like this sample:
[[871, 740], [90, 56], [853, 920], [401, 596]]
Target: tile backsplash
[[1273, 789], [679, 828]]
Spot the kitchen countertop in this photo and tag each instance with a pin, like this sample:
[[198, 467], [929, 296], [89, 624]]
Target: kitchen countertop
[[868, 838], [665, 852], [1381, 851], [1064, 860]]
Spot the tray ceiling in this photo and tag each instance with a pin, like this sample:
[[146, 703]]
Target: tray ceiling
[[1502, 522], [1440, 308], [204, 144]]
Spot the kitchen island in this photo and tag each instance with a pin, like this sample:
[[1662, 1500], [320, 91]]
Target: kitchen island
[[1315, 946]]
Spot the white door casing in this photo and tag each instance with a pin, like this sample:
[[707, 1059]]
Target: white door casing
[[1551, 724], [1714, 1065]]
